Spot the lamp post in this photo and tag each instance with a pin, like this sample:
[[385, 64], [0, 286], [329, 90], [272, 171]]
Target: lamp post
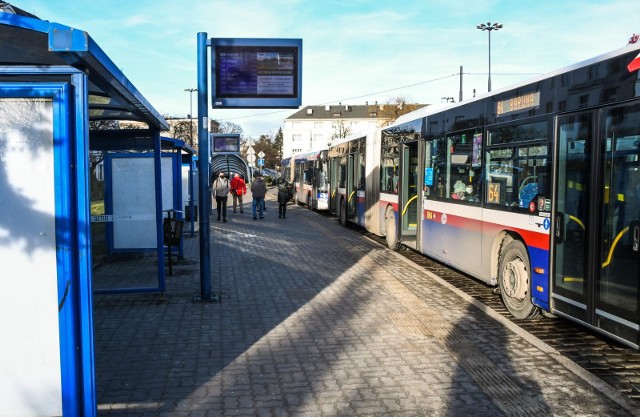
[[489, 27], [191, 90]]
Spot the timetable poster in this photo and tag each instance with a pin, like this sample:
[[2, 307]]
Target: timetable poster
[[260, 72]]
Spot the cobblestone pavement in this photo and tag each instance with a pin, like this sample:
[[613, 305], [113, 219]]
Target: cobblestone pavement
[[314, 322]]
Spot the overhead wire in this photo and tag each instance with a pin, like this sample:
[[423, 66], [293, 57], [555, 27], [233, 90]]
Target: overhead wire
[[444, 77]]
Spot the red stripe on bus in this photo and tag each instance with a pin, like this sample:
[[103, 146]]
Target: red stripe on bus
[[534, 239]]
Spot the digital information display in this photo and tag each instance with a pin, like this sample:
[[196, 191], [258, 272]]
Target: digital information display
[[256, 73], [226, 142]]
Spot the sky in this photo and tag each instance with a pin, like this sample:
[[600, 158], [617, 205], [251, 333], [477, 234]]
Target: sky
[[354, 51]]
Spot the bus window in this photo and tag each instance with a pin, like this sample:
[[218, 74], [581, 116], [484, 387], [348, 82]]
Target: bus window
[[463, 162], [323, 180], [518, 166], [308, 172], [440, 166], [517, 175], [389, 170], [342, 173], [363, 174]]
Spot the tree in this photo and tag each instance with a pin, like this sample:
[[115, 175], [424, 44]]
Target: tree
[[183, 129], [395, 108], [229, 127], [340, 130], [267, 145], [277, 144], [104, 124]]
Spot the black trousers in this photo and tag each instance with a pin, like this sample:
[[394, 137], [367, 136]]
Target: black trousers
[[221, 205], [282, 209]]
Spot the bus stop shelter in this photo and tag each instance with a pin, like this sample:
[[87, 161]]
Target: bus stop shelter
[[54, 79]]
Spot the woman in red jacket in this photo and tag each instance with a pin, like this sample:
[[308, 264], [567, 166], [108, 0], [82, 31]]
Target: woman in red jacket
[[238, 189]]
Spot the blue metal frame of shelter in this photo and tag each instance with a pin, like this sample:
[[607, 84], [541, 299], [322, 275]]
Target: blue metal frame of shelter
[[45, 59]]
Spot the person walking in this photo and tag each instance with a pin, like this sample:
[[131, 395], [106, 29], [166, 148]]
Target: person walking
[[258, 191], [284, 195], [220, 190], [238, 189]]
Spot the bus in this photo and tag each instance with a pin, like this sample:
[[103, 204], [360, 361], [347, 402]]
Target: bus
[[348, 173], [308, 171], [533, 188]]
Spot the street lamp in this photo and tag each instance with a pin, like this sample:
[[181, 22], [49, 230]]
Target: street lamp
[[489, 27], [191, 90]]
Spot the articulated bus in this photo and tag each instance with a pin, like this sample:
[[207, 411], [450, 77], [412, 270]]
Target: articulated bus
[[307, 171], [350, 181], [533, 188]]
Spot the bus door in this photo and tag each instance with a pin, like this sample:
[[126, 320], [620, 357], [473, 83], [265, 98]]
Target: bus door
[[596, 225], [333, 185], [352, 198], [409, 202]]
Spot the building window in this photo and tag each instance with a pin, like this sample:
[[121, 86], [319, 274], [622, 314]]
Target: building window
[[297, 150], [296, 137], [317, 137]]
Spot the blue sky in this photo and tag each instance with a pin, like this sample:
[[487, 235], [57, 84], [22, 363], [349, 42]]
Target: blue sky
[[354, 50]]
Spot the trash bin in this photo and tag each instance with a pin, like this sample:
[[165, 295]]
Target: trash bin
[[172, 228]]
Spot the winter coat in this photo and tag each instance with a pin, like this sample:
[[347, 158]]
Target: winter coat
[[258, 188], [285, 192], [239, 185], [220, 187]]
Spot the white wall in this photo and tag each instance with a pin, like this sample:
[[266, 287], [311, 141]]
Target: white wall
[[30, 373]]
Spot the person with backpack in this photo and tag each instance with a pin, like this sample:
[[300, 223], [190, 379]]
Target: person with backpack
[[220, 190], [238, 189], [258, 190], [285, 193]]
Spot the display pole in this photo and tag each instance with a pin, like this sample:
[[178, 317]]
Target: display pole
[[203, 171]]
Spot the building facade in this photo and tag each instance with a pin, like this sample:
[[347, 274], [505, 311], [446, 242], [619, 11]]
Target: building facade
[[315, 127]]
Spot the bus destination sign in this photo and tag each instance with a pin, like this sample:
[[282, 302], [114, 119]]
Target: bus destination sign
[[517, 103]]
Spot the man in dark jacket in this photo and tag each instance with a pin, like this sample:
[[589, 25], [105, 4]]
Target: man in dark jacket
[[258, 191], [284, 195]]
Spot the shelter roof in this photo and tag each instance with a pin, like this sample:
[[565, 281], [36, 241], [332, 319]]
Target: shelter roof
[[28, 41]]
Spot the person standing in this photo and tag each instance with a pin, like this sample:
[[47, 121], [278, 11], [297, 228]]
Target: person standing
[[284, 195], [220, 190], [258, 191], [238, 189]]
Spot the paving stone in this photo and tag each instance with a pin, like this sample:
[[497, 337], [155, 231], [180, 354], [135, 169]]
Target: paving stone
[[315, 321]]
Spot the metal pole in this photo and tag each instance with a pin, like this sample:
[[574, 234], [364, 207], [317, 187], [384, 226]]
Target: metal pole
[[489, 27], [191, 210], [489, 59], [460, 98], [191, 90], [203, 171]]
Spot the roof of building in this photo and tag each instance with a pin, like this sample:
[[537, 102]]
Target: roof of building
[[343, 111]]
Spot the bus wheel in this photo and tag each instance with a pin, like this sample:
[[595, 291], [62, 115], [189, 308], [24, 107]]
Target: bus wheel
[[343, 213], [390, 230], [515, 281]]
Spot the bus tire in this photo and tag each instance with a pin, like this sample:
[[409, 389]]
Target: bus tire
[[514, 278], [343, 213], [390, 230]]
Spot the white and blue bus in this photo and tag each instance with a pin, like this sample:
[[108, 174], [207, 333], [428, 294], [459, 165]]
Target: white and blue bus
[[308, 171], [533, 188]]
